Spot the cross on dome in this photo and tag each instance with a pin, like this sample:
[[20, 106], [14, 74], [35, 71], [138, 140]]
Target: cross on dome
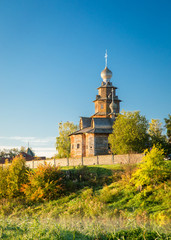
[[106, 58]]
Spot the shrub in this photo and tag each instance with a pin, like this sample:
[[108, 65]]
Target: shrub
[[16, 175], [128, 169], [153, 169], [107, 194], [45, 182], [3, 182]]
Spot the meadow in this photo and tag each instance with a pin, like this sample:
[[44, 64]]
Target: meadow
[[95, 202]]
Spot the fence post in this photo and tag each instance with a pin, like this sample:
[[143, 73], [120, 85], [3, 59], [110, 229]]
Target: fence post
[[128, 158], [113, 158], [97, 160], [32, 163], [67, 161], [54, 164]]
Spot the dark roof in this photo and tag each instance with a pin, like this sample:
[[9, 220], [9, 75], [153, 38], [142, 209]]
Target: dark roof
[[92, 130], [30, 152], [86, 122], [103, 123], [98, 125]]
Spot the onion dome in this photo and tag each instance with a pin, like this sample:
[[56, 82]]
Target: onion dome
[[106, 75]]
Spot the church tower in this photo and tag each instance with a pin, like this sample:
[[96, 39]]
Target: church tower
[[92, 137], [107, 103]]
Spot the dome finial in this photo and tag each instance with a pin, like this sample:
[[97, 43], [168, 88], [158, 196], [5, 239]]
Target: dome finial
[[106, 58]]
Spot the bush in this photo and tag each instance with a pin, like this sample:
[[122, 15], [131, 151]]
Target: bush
[[44, 183], [12, 178], [153, 169], [17, 175], [3, 182]]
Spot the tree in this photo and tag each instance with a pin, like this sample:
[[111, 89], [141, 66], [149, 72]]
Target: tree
[[153, 168], [17, 175], [12, 177], [168, 127], [129, 133], [23, 149], [63, 143], [156, 137], [155, 128], [9, 153]]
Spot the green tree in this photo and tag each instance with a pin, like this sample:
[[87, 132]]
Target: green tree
[[63, 143], [3, 181], [168, 127], [156, 137], [153, 168], [9, 153], [23, 149], [17, 175], [155, 128], [129, 133], [12, 177]]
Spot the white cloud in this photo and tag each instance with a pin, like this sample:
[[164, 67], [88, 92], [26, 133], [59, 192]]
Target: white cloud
[[41, 146], [31, 139]]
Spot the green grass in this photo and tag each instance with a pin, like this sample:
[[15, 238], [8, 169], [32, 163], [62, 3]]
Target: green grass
[[98, 204], [74, 229], [91, 167]]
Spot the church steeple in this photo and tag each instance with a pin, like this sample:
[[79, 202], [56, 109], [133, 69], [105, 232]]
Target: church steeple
[[106, 74], [107, 103]]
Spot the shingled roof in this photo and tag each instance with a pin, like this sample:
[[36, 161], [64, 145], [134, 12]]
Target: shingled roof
[[95, 125], [85, 122]]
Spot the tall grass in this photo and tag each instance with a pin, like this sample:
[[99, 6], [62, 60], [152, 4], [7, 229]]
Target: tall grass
[[75, 229]]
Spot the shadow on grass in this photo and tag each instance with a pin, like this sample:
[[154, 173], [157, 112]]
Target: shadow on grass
[[95, 177]]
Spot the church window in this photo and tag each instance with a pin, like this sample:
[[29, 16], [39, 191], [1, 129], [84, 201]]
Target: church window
[[78, 145], [102, 106]]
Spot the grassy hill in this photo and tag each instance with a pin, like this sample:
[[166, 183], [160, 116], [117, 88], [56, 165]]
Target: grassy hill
[[97, 202]]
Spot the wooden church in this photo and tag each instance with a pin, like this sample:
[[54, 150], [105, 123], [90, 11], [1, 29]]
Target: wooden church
[[92, 137]]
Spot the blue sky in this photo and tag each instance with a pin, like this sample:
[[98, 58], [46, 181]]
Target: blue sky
[[52, 54]]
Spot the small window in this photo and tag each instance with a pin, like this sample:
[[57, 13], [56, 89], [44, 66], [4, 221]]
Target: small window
[[102, 106], [78, 146], [91, 147], [72, 146]]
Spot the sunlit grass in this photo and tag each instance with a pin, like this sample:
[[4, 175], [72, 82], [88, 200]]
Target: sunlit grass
[[66, 229], [99, 203]]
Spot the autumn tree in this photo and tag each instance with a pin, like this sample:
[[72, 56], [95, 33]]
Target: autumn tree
[[129, 133], [44, 182], [63, 143]]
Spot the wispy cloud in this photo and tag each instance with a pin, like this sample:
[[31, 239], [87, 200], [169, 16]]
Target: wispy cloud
[[32, 139]]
